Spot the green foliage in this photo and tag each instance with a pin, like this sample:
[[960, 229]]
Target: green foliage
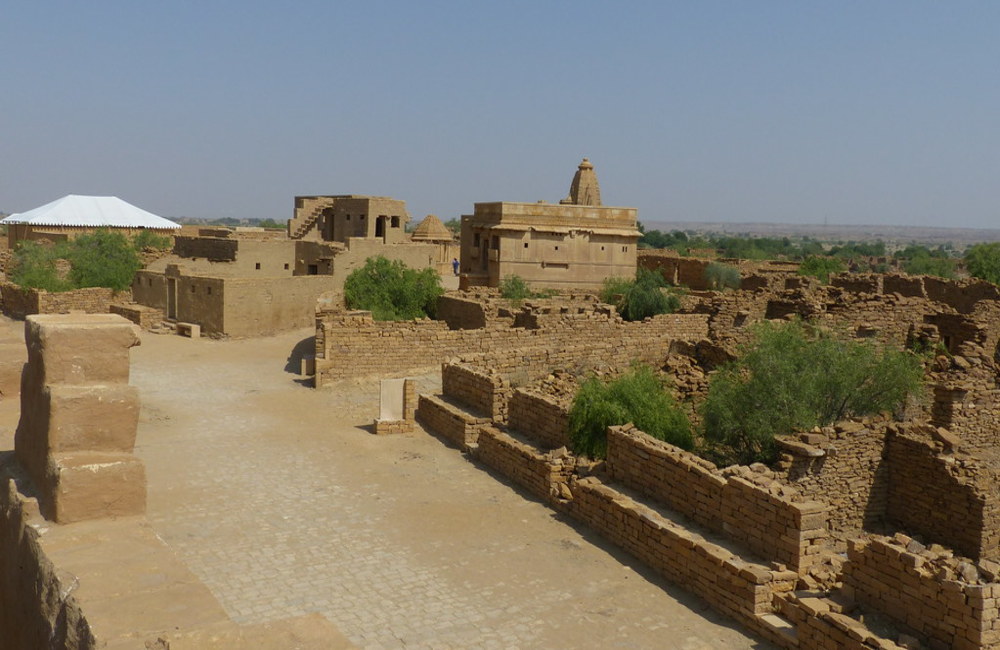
[[453, 224], [34, 266], [639, 298], [638, 397], [392, 291], [722, 276], [854, 249], [272, 224], [513, 287], [103, 259], [149, 239], [942, 267], [792, 378], [983, 262], [820, 267]]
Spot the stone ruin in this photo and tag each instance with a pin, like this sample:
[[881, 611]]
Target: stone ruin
[[880, 532]]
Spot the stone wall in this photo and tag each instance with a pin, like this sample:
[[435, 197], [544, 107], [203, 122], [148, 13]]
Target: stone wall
[[728, 583], [943, 497], [345, 341], [484, 392], [144, 317], [461, 313], [844, 466], [747, 506], [211, 248], [37, 609], [940, 597], [19, 302], [541, 417], [540, 474]]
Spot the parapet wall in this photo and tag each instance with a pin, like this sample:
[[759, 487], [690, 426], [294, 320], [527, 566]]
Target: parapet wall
[[946, 600], [749, 508], [484, 392]]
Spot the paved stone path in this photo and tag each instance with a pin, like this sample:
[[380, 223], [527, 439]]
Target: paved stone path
[[282, 504]]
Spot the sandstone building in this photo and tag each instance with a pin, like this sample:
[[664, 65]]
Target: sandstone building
[[574, 244]]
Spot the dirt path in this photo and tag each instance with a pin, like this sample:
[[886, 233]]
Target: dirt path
[[282, 503]]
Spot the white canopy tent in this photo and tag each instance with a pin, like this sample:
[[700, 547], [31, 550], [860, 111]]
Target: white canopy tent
[[75, 211]]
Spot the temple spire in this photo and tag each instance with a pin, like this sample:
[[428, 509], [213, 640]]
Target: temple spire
[[584, 190]]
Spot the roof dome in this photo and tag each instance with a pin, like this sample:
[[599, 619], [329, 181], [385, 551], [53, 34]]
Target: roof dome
[[431, 229]]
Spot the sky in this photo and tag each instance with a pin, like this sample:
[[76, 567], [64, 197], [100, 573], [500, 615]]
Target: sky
[[849, 112]]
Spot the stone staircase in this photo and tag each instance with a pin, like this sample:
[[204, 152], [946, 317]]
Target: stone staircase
[[298, 227]]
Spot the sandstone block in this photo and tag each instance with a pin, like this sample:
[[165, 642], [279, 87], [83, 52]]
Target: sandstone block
[[84, 486], [92, 418], [79, 348]]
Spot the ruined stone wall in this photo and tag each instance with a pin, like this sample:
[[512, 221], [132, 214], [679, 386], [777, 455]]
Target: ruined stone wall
[[481, 390], [845, 467], [686, 271], [37, 609], [729, 584], [461, 313], [968, 404], [521, 463], [20, 302], [953, 606], [944, 498], [144, 317], [541, 417], [345, 342], [747, 506]]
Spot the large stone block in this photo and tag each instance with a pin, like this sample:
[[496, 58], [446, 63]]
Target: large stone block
[[82, 486], [92, 418], [78, 348]]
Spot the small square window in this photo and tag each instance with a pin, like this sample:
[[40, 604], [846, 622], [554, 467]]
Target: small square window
[[208, 290], [150, 282], [362, 217], [557, 248], [192, 288], [348, 217], [257, 266], [286, 266], [525, 244]]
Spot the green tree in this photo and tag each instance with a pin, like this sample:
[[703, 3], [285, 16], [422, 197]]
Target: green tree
[[392, 291], [820, 267], [104, 258], [795, 377], [983, 262], [639, 397], [639, 298], [272, 224], [454, 225], [722, 276]]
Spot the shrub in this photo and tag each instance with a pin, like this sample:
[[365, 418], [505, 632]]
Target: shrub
[[639, 298], [793, 378], [149, 239], [103, 259], [722, 276], [820, 267], [983, 262], [392, 291], [638, 397], [941, 267], [34, 266], [513, 287]]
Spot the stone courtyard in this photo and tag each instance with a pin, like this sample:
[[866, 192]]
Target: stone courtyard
[[282, 503]]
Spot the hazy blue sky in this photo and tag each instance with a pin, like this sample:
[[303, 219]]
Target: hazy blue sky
[[797, 111]]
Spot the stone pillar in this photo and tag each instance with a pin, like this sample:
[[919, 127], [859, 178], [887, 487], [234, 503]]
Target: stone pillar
[[79, 416]]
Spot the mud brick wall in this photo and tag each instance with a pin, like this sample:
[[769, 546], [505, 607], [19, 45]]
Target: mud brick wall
[[747, 508], [850, 475], [729, 584], [540, 417], [19, 302], [37, 610], [904, 285], [676, 270], [482, 391], [948, 500], [968, 404], [215, 250], [857, 283], [521, 463], [914, 590]]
